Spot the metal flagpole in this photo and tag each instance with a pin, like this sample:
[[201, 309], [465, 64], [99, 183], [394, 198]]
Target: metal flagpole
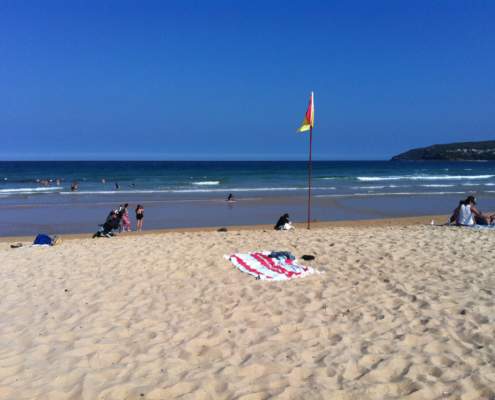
[[309, 175]]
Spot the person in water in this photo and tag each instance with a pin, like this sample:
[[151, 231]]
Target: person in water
[[230, 197], [283, 223], [74, 186], [139, 217]]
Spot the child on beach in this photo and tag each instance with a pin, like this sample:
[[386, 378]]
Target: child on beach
[[126, 222], [139, 217]]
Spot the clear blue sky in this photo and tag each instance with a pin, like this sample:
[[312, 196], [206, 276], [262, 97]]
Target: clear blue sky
[[231, 79]]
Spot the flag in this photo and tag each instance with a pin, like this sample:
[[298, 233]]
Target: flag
[[309, 118]]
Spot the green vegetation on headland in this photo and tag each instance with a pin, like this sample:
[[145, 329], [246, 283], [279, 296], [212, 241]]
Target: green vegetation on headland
[[464, 151]]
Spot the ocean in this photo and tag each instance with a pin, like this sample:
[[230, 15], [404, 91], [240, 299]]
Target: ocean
[[37, 196]]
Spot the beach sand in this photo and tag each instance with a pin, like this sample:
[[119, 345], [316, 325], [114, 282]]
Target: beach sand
[[401, 311]]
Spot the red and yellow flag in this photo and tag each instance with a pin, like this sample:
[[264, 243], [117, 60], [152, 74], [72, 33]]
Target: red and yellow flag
[[309, 118]]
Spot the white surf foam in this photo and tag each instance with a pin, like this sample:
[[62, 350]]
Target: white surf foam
[[421, 177], [30, 190], [389, 194], [225, 190], [206, 183], [435, 185], [368, 187], [373, 187]]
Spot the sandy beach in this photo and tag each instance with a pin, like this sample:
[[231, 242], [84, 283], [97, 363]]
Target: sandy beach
[[402, 310]]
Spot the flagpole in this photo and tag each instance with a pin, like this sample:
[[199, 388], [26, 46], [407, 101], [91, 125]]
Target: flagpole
[[309, 175]]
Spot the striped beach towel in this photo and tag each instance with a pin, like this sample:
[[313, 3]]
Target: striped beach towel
[[263, 267]]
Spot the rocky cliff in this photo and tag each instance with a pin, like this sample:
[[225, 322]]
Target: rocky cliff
[[465, 151]]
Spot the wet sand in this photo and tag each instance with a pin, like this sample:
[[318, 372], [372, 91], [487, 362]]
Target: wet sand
[[82, 214], [400, 221]]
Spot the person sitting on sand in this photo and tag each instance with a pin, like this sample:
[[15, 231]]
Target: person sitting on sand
[[469, 215], [112, 223], [455, 213], [283, 223]]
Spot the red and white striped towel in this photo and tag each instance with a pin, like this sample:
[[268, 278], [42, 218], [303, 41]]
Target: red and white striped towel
[[263, 267]]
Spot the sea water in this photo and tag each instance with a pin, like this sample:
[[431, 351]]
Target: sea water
[[37, 195]]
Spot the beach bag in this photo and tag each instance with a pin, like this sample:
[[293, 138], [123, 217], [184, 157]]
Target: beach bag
[[43, 239]]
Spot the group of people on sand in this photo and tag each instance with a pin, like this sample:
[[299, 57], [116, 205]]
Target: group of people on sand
[[119, 220], [467, 214], [125, 221]]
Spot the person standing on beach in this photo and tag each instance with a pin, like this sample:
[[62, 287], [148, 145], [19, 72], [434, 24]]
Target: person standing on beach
[[139, 217], [126, 222]]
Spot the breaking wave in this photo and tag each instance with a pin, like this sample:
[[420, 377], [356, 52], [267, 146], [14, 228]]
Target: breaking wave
[[421, 177]]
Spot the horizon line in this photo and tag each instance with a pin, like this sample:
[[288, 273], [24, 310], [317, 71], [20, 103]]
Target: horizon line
[[198, 160]]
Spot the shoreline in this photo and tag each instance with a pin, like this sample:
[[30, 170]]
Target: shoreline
[[47, 215], [315, 225]]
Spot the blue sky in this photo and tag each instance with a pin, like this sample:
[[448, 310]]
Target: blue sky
[[231, 79]]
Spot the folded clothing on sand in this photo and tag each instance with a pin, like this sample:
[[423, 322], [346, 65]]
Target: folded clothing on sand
[[264, 267], [281, 254]]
